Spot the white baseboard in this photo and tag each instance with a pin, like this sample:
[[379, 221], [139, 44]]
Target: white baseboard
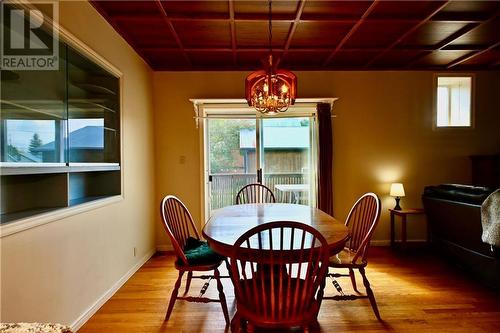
[[85, 316]]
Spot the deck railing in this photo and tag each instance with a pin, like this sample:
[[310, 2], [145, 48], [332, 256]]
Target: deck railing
[[224, 187]]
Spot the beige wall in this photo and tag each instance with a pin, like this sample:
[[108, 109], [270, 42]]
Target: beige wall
[[55, 272], [383, 134]]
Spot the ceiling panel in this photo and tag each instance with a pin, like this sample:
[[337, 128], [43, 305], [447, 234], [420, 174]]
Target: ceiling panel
[[304, 60], [334, 9], [212, 8], [255, 33], [310, 34], [399, 58], [203, 33], [484, 35], [261, 8], [431, 33], [441, 58], [319, 34], [374, 34], [212, 59], [490, 57], [153, 34], [351, 59], [415, 10]]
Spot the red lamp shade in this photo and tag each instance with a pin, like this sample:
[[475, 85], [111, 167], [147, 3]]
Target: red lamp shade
[[271, 91]]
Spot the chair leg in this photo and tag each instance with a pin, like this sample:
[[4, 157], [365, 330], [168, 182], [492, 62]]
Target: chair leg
[[188, 282], [353, 279], [173, 297], [228, 267], [369, 292], [222, 297], [235, 323]]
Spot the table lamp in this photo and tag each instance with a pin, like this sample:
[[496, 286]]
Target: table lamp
[[397, 191]]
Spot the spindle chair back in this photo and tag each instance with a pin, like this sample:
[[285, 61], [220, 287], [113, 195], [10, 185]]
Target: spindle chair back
[[361, 221], [179, 225], [278, 271], [255, 193]]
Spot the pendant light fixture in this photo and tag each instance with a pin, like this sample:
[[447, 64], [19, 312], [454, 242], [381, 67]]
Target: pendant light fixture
[[271, 90]]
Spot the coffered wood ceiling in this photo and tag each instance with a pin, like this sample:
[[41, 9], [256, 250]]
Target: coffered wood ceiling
[[310, 35]]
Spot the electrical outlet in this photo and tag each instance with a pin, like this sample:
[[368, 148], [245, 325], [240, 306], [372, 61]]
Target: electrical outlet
[[135, 251]]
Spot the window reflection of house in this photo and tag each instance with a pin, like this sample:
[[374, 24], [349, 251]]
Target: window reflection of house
[[285, 148], [86, 144]]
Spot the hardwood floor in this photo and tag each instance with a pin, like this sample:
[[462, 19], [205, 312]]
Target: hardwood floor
[[415, 292]]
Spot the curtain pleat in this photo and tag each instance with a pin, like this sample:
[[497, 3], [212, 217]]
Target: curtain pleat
[[325, 157]]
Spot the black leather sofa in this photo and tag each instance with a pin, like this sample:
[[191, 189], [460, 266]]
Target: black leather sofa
[[454, 216]]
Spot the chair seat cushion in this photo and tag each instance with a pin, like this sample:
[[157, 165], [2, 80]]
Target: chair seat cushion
[[198, 253], [345, 259]]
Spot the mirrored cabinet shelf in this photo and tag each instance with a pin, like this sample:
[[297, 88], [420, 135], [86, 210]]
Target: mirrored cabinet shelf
[[60, 136]]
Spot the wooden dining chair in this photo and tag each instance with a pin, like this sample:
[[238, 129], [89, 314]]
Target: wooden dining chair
[[282, 287], [255, 193], [361, 221], [192, 254]]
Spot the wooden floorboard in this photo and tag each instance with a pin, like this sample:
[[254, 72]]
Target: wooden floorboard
[[416, 292]]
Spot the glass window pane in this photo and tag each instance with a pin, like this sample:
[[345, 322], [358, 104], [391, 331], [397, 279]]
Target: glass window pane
[[33, 122], [454, 101], [232, 158], [442, 107], [287, 158], [93, 107]]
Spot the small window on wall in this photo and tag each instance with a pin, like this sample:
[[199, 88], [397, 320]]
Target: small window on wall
[[454, 101]]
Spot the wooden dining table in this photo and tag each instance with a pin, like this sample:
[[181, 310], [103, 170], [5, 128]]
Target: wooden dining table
[[227, 224]]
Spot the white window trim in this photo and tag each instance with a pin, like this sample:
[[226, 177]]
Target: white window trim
[[472, 125]]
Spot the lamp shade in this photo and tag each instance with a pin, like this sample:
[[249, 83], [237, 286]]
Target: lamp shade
[[397, 190]]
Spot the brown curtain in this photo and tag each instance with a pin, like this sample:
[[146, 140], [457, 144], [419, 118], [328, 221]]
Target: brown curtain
[[325, 158]]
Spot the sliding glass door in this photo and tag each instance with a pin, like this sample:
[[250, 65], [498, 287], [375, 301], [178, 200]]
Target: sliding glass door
[[278, 152], [230, 167], [287, 158]]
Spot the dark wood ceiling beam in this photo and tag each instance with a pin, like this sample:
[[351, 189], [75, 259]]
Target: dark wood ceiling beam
[[408, 32], [471, 55], [291, 32], [172, 30], [353, 29], [282, 19], [230, 67], [467, 17], [293, 50], [233, 31]]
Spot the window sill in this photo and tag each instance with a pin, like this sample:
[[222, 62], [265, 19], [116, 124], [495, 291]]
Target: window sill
[[54, 215]]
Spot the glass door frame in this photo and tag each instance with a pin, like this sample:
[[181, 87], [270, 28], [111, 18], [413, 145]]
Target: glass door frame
[[238, 108]]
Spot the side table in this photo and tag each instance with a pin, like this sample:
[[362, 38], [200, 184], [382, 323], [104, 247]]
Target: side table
[[403, 213]]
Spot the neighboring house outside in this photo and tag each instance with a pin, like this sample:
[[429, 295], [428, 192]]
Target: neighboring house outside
[[285, 149], [86, 145]]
